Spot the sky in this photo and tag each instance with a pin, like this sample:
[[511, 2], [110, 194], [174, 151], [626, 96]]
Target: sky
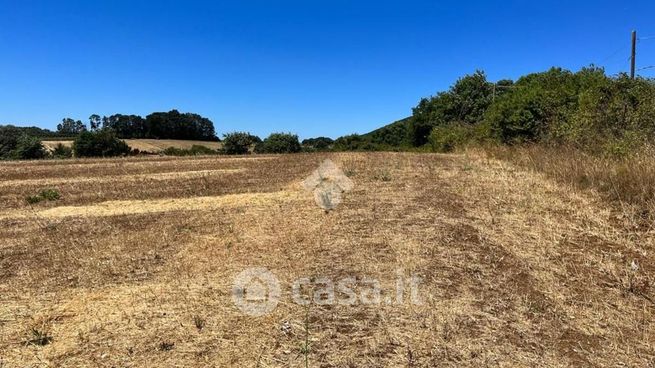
[[313, 67]]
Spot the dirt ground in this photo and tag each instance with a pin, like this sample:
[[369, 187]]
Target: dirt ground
[[134, 265]]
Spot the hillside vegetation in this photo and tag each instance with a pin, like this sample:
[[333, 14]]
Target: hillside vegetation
[[587, 109]]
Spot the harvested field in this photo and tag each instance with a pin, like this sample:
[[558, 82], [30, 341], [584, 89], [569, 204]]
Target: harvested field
[[134, 265]]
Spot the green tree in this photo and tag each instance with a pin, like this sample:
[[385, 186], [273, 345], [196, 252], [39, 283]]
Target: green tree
[[127, 126], [101, 143], [95, 122], [238, 143], [354, 142], [465, 102], [29, 148], [176, 125], [279, 143], [70, 127], [318, 144], [9, 136]]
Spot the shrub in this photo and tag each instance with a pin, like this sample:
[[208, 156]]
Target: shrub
[[238, 143], [393, 135], [44, 195], [39, 338], [317, 144], [29, 148], [195, 150], [102, 143], [466, 101], [279, 143], [62, 151], [356, 142], [352, 142], [9, 136], [450, 137], [174, 151]]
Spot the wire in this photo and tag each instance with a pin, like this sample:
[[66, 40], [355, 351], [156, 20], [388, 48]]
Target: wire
[[646, 67], [646, 38], [620, 49]]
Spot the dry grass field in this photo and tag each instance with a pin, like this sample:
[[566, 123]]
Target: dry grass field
[[133, 265], [147, 145]]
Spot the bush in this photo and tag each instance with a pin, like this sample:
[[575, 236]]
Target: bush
[[466, 102], [447, 138], [44, 195], [173, 125], [393, 135], [238, 143], [62, 151], [318, 144], [352, 142], [195, 150], [29, 148], [9, 136], [519, 117], [356, 142], [279, 143], [102, 143]]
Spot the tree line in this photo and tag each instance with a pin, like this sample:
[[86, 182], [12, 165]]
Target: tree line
[[158, 125], [586, 109]]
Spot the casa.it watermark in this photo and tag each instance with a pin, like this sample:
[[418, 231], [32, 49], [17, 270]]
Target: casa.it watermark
[[257, 291], [328, 183]]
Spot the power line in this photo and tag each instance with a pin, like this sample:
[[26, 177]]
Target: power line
[[646, 67], [619, 50]]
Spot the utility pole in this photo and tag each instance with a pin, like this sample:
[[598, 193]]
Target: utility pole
[[633, 54]]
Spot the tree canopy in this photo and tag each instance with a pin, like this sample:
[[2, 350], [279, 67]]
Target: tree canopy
[[161, 125]]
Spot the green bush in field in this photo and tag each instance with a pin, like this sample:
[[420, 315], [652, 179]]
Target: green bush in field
[[195, 150], [62, 151], [318, 144], [279, 143], [44, 195], [29, 148], [356, 142], [447, 138], [9, 136], [101, 143], [239, 143]]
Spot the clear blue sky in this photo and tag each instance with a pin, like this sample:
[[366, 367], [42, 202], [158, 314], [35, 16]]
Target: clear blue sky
[[313, 67]]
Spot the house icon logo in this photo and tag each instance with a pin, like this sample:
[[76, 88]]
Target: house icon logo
[[328, 183], [256, 291]]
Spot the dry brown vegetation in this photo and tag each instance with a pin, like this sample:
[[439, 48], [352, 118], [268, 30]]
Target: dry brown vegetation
[[627, 181], [133, 265]]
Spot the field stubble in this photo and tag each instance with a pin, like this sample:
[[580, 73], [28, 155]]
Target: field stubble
[[516, 269]]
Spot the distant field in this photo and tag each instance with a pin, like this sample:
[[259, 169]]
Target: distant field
[[133, 265], [148, 145]]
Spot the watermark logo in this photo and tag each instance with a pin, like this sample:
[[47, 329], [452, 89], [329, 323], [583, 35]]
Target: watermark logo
[[256, 292], [328, 183]]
